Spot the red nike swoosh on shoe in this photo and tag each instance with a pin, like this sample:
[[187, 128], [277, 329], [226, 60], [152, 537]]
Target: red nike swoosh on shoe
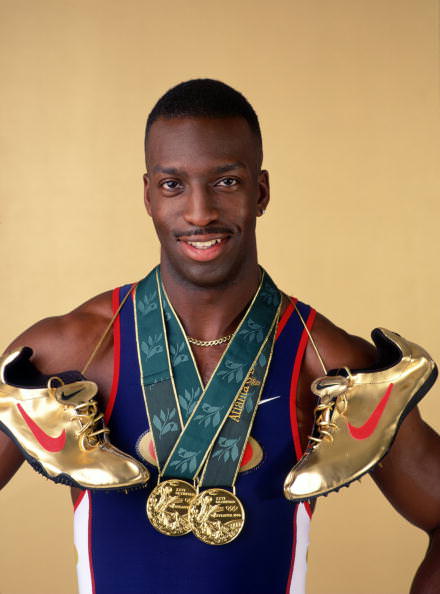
[[370, 424], [50, 444]]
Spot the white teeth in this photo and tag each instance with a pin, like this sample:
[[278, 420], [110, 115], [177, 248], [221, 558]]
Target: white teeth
[[204, 245]]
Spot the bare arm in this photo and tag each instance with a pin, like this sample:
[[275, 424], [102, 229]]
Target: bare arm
[[409, 476], [11, 459], [62, 343]]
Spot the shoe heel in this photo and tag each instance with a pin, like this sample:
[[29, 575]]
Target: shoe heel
[[423, 390]]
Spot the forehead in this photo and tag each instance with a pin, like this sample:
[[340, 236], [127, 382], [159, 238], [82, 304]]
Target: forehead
[[187, 142]]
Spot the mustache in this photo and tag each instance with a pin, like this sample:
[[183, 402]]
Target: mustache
[[203, 231]]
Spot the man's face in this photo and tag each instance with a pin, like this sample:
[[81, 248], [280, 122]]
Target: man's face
[[204, 190]]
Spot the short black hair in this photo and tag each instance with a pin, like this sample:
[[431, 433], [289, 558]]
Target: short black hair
[[204, 97]]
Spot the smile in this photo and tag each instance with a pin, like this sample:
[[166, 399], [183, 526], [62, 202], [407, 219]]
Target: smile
[[204, 245], [203, 249]]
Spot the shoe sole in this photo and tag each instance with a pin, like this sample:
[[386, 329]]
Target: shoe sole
[[421, 392], [61, 479]]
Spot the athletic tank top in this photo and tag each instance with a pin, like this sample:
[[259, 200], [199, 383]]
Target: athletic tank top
[[119, 552]]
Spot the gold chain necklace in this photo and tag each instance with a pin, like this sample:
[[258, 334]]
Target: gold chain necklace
[[209, 343]]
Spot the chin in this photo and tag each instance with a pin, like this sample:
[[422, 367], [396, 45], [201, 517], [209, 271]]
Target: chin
[[205, 275]]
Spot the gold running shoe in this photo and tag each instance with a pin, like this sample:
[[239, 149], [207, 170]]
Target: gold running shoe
[[358, 416], [55, 422]]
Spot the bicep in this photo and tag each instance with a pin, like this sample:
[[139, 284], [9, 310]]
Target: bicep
[[409, 476], [45, 338], [10, 459], [59, 343]]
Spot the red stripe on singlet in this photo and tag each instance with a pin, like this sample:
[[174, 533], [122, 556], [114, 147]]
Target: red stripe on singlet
[[285, 316], [116, 357], [78, 500], [294, 384], [294, 424]]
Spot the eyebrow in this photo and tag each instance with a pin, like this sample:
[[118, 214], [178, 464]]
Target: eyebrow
[[217, 170], [230, 167], [167, 170]]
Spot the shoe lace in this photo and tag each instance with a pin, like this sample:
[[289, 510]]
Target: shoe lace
[[92, 425], [323, 413], [92, 428]]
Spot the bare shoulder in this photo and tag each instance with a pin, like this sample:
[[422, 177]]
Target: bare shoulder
[[62, 342], [337, 348]]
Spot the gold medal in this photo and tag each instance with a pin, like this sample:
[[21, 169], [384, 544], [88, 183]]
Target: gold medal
[[167, 507], [216, 516]]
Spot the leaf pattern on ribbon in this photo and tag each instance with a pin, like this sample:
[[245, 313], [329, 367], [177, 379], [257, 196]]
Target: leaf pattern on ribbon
[[164, 422], [233, 371], [252, 331], [187, 460], [262, 360], [209, 416], [249, 404], [178, 354], [227, 448], [166, 310], [147, 303], [189, 400], [270, 295], [152, 346]]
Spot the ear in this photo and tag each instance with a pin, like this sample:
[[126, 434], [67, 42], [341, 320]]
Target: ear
[[147, 193], [264, 192]]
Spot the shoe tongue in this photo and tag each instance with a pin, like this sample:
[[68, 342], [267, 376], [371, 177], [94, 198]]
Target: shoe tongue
[[18, 370], [329, 386], [342, 371], [69, 377], [75, 393]]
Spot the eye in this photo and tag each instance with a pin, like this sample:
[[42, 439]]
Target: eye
[[227, 182], [170, 185]]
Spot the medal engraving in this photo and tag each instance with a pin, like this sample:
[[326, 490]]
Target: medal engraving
[[216, 516], [167, 507]]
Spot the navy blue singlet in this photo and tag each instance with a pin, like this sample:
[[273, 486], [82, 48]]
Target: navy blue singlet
[[119, 552]]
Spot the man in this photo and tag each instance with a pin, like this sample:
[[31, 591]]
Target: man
[[204, 189]]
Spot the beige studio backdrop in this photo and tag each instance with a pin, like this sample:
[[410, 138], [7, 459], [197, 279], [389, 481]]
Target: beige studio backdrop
[[347, 94]]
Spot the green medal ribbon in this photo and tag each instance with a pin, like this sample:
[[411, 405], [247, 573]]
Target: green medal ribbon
[[194, 426], [225, 457]]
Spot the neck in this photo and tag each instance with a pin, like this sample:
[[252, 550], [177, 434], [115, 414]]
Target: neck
[[208, 313]]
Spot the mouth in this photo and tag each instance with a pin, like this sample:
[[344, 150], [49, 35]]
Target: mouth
[[204, 245], [203, 248]]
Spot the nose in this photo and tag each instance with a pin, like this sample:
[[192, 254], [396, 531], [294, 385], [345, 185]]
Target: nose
[[201, 207]]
